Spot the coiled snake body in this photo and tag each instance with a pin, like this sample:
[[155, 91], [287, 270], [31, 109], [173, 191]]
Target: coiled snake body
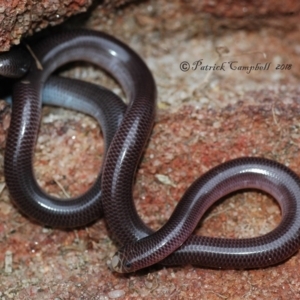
[[126, 136]]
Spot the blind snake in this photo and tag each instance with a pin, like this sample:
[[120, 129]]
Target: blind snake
[[173, 244]]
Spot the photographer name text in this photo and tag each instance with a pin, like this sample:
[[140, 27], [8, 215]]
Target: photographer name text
[[232, 65]]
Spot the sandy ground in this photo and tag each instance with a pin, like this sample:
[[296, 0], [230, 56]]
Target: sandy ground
[[204, 118]]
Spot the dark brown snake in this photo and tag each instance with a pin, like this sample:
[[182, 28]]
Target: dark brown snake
[[173, 244]]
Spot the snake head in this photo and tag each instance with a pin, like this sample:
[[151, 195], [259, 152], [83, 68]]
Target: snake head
[[120, 264]]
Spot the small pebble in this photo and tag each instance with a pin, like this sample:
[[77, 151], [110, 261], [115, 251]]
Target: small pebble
[[116, 294]]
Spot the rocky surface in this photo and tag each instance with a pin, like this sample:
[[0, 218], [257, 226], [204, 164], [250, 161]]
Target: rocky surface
[[242, 9], [19, 18], [204, 118]]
